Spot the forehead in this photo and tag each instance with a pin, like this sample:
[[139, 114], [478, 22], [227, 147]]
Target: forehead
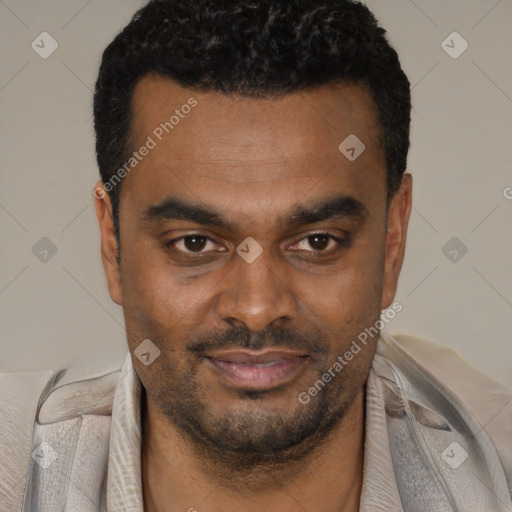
[[225, 142]]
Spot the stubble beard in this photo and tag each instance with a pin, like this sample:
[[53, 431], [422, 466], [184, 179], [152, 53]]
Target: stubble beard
[[249, 447]]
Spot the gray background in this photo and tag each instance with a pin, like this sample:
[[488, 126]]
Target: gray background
[[54, 308]]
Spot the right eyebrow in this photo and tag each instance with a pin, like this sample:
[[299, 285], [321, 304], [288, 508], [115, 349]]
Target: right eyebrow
[[173, 208]]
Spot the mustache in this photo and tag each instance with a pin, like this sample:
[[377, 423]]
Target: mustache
[[242, 337]]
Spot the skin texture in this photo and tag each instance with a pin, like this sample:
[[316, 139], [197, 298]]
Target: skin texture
[[206, 443]]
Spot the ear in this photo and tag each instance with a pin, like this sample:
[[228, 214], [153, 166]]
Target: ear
[[109, 252], [398, 220]]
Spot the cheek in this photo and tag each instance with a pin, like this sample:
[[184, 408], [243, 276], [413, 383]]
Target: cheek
[[346, 301], [157, 297], [353, 285]]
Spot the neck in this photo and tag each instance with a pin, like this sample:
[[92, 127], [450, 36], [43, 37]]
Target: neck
[[175, 476]]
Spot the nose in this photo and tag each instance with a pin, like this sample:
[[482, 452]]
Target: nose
[[258, 293]]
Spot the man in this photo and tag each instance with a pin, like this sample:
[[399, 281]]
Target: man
[[253, 210]]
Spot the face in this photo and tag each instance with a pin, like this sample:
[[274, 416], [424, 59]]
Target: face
[[253, 252]]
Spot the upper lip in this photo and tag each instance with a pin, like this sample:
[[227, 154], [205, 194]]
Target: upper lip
[[265, 356]]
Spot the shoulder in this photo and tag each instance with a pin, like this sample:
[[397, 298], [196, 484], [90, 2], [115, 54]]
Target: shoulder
[[473, 387], [19, 399], [48, 399], [30, 397], [488, 401]]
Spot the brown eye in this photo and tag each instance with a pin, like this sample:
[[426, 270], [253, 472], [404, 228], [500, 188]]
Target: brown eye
[[318, 242], [195, 243]]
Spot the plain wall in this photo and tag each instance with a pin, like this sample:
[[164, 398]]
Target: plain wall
[[57, 313]]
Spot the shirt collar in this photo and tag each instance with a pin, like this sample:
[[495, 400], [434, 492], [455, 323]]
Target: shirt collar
[[124, 483], [380, 490]]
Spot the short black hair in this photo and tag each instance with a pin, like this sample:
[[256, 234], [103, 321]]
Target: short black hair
[[254, 48]]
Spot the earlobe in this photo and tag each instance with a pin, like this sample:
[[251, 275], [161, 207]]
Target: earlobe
[[109, 250], [398, 219]]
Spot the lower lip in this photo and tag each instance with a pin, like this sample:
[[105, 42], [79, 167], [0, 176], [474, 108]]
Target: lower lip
[[260, 376]]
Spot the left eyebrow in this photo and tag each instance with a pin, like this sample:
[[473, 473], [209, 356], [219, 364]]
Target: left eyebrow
[[341, 207]]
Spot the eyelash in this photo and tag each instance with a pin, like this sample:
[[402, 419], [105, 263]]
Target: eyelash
[[342, 243]]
